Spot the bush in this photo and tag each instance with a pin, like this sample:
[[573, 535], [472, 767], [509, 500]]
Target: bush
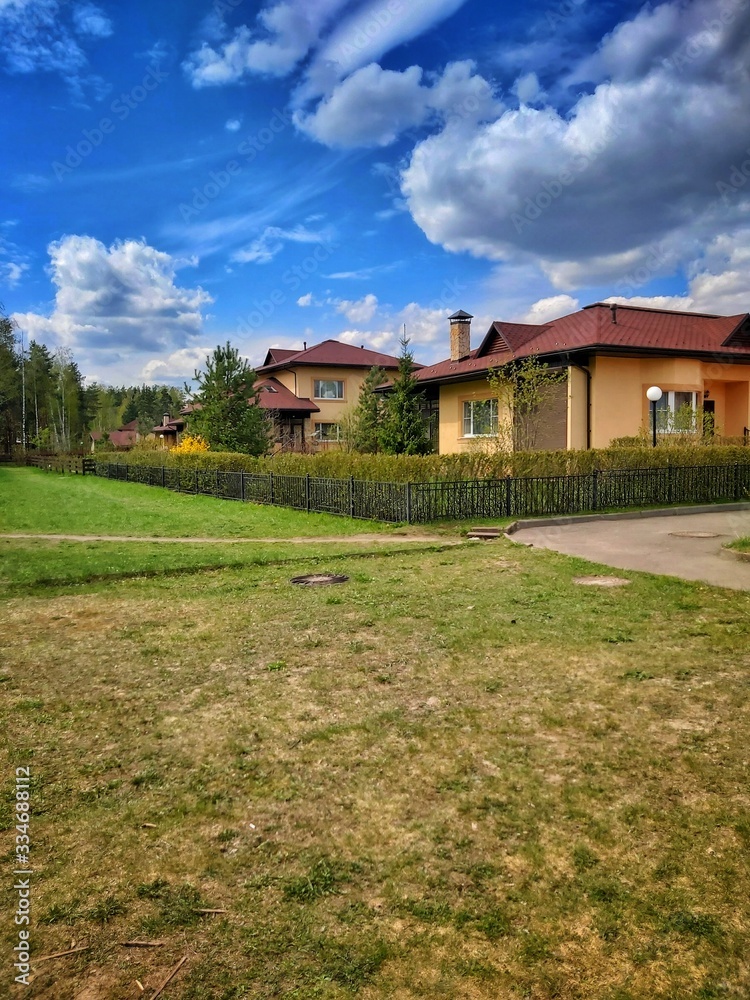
[[441, 468]]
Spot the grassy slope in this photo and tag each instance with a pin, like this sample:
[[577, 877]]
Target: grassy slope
[[458, 776], [743, 544], [36, 501]]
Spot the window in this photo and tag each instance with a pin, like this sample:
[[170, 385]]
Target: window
[[675, 413], [327, 432], [328, 389], [480, 417]]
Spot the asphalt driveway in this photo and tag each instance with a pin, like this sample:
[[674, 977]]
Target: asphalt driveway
[[655, 544]]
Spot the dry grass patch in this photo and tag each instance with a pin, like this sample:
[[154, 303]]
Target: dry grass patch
[[448, 778]]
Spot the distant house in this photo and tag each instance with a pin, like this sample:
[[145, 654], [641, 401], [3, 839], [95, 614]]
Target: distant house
[[122, 439], [610, 354], [308, 391], [169, 431]]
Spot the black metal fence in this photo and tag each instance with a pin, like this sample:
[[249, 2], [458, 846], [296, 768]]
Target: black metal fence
[[418, 503]]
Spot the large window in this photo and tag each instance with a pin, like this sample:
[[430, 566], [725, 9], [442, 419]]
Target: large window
[[327, 432], [480, 417], [676, 413], [328, 389]]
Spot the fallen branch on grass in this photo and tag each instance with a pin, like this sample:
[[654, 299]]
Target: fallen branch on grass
[[62, 954], [170, 977]]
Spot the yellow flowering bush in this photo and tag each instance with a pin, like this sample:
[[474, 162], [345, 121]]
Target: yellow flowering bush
[[191, 444]]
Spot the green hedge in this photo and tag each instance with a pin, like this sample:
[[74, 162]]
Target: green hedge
[[436, 468]]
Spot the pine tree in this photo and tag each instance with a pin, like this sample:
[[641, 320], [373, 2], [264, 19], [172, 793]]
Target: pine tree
[[230, 417], [403, 430], [368, 413], [10, 385]]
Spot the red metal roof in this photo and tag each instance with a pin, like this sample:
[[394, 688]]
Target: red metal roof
[[275, 396], [332, 352], [275, 355], [118, 439], [598, 327]]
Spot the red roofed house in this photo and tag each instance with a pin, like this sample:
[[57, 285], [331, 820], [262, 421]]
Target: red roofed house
[[612, 354], [122, 439], [309, 391], [169, 431]]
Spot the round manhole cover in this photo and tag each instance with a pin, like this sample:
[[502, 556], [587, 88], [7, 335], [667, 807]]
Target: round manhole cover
[[319, 579], [695, 534], [600, 581]]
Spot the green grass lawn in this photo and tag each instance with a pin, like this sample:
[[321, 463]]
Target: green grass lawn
[[456, 776], [32, 500]]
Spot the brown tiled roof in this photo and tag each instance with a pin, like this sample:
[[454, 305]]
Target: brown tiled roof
[[118, 439], [275, 396], [276, 355], [332, 352], [131, 425], [597, 327]]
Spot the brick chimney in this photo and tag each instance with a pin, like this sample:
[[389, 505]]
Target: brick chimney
[[460, 335]]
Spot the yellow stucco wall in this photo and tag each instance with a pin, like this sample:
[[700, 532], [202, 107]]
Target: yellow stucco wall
[[619, 407], [577, 437], [452, 398], [301, 381]]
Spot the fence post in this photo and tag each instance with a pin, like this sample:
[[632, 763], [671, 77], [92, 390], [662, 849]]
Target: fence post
[[270, 488], [217, 484], [126, 472], [408, 503], [163, 476], [307, 492], [242, 487], [595, 490], [196, 482], [351, 496], [669, 482], [737, 489], [508, 495]]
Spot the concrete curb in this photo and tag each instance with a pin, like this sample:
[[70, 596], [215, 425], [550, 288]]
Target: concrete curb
[[735, 554], [627, 515]]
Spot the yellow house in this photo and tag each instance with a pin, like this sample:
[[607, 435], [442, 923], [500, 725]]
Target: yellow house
[[309, 391], [611, 354]]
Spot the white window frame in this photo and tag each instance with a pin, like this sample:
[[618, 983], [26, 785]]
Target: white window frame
[[318, 434], [469, 418], [318, 384], [666, 405]]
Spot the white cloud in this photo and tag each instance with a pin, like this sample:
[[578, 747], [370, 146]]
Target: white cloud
[[359, 311], [271, 242], [304, 301], [112, 302], [285, 35], [39, 37], [11, 272], [233, 125], [637, 162], [176, 367], [88, 19], [527, 89], [373, 106], [551, 308]]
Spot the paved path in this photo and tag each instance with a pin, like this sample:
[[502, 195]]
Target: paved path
[[650, 544], [363, 539]]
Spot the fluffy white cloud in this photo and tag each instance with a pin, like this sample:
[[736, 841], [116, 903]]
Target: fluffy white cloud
[[719, 280], [360, 311], [551, 308], [305, 301], [233, 125], [637, 161], [373, 106], [177, 367], [285, 35], [89, 19], [271, 242], [112, 302]]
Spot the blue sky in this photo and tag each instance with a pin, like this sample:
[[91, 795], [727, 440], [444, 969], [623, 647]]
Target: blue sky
[[279, 172]]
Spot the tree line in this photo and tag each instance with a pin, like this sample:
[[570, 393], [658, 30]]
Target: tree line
[[46, 405]]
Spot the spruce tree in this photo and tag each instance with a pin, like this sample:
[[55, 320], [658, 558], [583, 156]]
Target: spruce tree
[[368, 413], [230, 417], [403, 429]]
